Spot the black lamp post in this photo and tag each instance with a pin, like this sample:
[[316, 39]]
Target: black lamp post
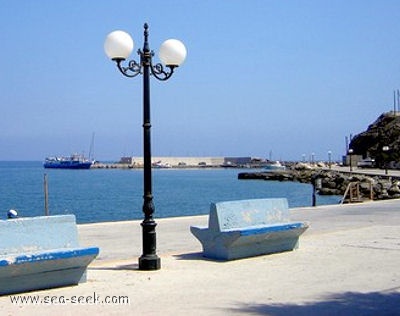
[[330, 159], [350, 152], [385, 149], [118, 46]]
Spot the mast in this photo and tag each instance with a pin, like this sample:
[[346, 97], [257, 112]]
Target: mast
[[91, 148]]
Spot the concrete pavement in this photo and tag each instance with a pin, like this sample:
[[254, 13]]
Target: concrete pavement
[[347, 264]]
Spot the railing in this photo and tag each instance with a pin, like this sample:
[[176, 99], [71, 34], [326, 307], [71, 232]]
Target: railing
[[353, 195]]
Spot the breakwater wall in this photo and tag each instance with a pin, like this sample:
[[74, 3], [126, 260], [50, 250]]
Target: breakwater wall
[[165, 162], [329, 182], [185, 162]]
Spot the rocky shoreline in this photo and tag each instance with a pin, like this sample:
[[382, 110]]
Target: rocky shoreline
[[330, 182]]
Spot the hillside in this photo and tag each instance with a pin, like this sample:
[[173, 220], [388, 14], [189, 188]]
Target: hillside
[[385, 131]]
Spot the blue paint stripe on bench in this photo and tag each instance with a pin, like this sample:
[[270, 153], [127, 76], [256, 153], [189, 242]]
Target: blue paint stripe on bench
[[277, 228], [50, 255]]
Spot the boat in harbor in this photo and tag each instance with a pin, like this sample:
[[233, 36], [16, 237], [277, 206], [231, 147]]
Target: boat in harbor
[[274, 165], [161, 165], [74, 161]]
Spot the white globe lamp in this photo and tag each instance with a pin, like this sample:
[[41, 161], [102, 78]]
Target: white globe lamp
[[118, 45], [172, 52]]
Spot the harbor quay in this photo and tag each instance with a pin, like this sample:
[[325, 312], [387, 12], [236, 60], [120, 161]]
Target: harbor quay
[[347, 263], [184, 162]]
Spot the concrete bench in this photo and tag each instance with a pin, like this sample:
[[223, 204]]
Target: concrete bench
[[40, 253], [245, 228]]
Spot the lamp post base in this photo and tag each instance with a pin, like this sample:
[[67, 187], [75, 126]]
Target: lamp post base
[[149, 259], [149, 262]]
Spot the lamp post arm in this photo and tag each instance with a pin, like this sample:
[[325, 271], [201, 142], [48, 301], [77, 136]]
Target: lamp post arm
[[132, 70], [158, 71]]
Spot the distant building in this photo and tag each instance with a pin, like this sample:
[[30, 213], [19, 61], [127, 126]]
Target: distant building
[[238, 161], [126, 160]]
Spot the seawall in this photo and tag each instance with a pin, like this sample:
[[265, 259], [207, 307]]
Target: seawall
[[164, 162]]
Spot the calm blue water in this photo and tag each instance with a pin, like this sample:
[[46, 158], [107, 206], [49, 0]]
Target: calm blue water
[[112, 194]]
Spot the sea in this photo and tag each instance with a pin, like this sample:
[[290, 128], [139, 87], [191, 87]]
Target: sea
[[104, 195]]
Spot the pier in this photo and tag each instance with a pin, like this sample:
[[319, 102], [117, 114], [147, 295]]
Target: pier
[[163, 162], [183, 162]]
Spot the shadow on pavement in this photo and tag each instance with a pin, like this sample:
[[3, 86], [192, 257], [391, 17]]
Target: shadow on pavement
[[195, 256], [348, 303], [133, 266]]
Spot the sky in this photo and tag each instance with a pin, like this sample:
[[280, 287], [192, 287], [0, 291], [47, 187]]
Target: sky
[[262, 78]]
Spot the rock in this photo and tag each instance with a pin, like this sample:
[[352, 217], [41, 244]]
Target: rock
[[274, 175], [328, 191], [366, 185], [302, 166], [386, 184], [384, 131], [384, 195], [332, 182], [394, 189]]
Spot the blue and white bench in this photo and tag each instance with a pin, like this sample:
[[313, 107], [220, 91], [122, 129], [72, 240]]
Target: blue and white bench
[[41, 253], [245, 228]]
